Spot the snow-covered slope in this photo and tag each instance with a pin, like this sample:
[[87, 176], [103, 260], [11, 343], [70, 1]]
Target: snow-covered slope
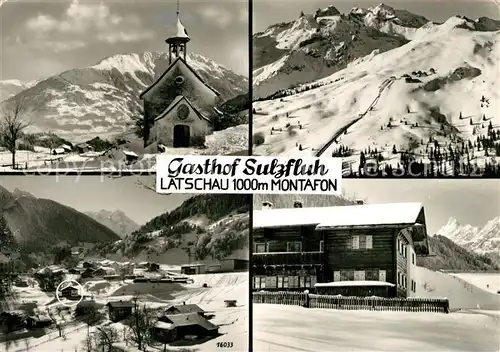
[[441, 88], [11, 87], [484, 240], [99, 100]]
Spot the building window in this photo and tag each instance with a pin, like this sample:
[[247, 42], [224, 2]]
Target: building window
[[260, 248], [413, 258], [404, 251], [372, 275], [347, 275], [362, 242], [321, 246], [294, 247]]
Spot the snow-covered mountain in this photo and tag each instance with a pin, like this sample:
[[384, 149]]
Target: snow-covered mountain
[[115, 220], [11, 87], [316, 45], [485, 240], [441, 88], [99, 100]]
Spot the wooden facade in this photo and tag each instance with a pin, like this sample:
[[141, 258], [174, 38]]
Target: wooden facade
[[298, 257]]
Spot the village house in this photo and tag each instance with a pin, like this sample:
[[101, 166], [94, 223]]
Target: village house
[[179, 107], [84, 148], [70, 292], [11, 321], [38, 321], [184, 309], [193, 269], [48, 278], [119, 310], [358, 250], [233, 264], [170, 328]]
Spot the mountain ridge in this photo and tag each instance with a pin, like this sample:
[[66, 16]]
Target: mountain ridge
[[38, 224], [101, 99], [312, 47], [116, 220]]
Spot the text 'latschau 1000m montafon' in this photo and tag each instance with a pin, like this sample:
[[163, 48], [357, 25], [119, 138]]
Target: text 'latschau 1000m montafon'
[[230, 174]]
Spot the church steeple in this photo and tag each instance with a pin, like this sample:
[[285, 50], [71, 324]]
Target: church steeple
[[177, 45]]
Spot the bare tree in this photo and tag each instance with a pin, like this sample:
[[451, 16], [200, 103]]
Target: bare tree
[[105, 337], [12, 125], [142, 322]]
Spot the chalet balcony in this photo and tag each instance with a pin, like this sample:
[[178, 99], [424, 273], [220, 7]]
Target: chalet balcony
[[287, 258]]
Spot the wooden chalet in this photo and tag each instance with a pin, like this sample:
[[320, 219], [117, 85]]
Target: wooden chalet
[[119, 310], [184, 309], [178, 106], [70, 292], [171, 328], [357, 250]]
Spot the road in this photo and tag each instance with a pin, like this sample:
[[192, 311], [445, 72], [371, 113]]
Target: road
[[386, 84]]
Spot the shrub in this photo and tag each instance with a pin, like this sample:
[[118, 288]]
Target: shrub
[[258, 138]]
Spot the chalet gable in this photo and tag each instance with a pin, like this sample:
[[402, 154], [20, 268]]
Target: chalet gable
[[183, 66], [175, 103]]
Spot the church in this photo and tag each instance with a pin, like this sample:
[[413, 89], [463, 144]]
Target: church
[[179, 107]]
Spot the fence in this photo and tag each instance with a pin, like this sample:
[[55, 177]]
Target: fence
[[435, 305]]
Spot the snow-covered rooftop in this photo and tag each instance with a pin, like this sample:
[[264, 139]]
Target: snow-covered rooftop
[[354, 283], [181, 30], [339, 216]]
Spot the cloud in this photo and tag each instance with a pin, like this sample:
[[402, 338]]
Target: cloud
[[216, 15], [81, 22]]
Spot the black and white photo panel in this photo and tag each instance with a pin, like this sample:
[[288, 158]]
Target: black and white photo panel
[[358, 271], [109, 85], [404, 88], [91, 263]]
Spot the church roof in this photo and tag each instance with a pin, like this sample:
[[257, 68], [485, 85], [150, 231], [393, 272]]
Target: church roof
[[181, 30], [178, 59], [176, 102]]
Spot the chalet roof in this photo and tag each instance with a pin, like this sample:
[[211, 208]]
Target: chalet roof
[[130, 153], [191, 319], [120, 304], [339, 216], [186, 308], [178, 60], [176, 102]]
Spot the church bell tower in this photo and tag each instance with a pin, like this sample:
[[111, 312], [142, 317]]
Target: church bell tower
[[177, 45]]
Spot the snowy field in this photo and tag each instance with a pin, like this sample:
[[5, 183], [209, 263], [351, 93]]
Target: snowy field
[[291, 328], [473, 325], [369, 105], [487, 281], [233, 140], [233, 322]]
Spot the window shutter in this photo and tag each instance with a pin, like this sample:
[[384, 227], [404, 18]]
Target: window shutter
[[355, 242], [336, 276], [381, 275], [369, 242]]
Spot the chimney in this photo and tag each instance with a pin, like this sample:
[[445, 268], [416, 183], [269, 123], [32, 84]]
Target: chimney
[[267, 205], [297, 204], [360, 201]]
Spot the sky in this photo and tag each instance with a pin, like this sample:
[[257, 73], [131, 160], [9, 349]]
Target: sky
[[94, 193], [470, 201], [266, 13], [40, 38]]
